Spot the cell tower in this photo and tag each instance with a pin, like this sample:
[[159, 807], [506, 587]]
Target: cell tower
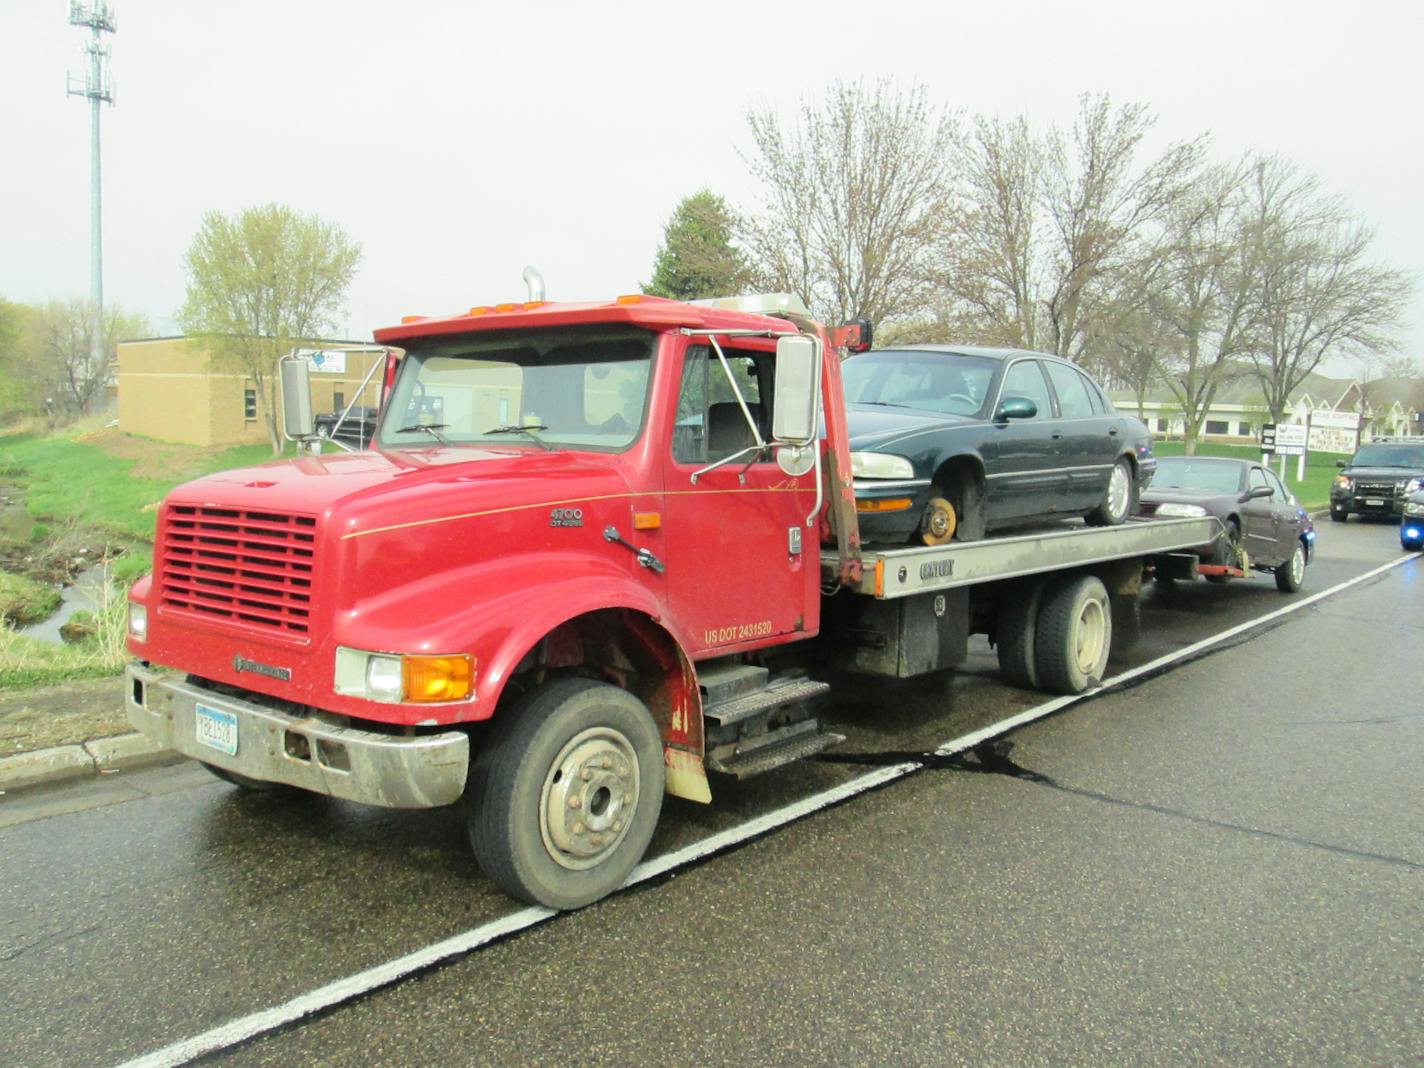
[[96, 87]]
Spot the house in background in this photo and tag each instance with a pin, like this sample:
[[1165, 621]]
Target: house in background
[[1341, 411], [174, 389]]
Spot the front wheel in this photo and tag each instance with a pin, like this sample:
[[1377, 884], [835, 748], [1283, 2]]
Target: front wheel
[[1338, 515], [565, 792], [1291, 574], [1118, 499], [246, 782], [1227, 551]]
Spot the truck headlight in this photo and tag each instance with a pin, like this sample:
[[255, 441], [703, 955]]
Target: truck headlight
[[138, 621], [1185, 511], [1343, 481], [880, 465], [414, 678], [1414, 486], [1414, 508]]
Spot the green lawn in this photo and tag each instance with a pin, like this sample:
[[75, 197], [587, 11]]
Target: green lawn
[[1313, 490]]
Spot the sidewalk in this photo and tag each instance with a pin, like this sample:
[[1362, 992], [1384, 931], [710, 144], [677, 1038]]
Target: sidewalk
[[69, 731]]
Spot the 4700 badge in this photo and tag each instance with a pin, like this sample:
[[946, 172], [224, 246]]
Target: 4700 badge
[[739, 633]]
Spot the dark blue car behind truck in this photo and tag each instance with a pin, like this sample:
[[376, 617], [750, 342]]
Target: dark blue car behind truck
[[1378, 478]]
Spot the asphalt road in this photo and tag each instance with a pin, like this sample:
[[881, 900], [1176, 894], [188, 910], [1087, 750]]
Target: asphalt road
[[1220, 863]]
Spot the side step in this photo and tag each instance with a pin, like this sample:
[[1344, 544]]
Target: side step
[[743, 706], [773, 749]]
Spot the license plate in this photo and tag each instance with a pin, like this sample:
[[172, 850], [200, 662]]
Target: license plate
[[1374, 502], [217, 730]]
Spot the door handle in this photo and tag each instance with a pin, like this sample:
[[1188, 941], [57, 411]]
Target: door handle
[[1057, 435], [1112, 431]]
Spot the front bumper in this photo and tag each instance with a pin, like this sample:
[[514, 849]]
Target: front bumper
[[311, 752]]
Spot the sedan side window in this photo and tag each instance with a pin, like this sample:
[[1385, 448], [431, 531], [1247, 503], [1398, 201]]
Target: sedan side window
[[1282, 494], [1073, 399], [1258, 478], [1025, 379]]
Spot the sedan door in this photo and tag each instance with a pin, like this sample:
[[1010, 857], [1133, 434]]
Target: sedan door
[[1021, 456], [1089, 445], [1260, 519]]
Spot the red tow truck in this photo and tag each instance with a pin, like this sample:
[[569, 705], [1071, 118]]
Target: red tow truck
[[597, 552]]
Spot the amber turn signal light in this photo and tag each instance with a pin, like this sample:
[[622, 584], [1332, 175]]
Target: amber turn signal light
[[438, 678], [889, 504]]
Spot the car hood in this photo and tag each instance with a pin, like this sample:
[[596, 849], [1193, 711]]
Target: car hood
[[1401, 474], [874, 426]]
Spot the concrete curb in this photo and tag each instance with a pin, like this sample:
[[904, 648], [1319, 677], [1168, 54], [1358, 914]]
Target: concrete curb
[[95, 757]]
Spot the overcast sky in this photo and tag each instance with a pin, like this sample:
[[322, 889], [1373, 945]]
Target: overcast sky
[[459, 141]]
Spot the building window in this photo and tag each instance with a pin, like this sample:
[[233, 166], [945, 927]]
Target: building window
[[249, 404], [338, 400], [1217, 426], [1244, 429], [1162, 426]]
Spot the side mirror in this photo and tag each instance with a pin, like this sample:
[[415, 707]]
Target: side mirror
[[1341, 463], [795, 405], [1015, 408], [294, 377], [1256, 493]]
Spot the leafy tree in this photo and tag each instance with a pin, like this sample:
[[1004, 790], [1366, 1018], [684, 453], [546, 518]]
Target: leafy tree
[[697, 258], [262, 282], [47, 351]]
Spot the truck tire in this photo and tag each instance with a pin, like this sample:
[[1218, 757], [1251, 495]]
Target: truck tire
[[564, 793], [257, 786], [1290, 576], [1338, 515], [1119, 499], [1014, 635], [1074, 634]]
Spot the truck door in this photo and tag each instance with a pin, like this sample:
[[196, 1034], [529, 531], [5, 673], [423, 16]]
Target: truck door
[[742, 566]]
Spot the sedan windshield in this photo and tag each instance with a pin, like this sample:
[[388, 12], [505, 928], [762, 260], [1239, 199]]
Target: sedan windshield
[[1403, 455], [945, 382], [1207, 476], [575, 388]]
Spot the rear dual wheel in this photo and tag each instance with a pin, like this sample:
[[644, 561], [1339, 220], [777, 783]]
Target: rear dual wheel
[[1057, 635]]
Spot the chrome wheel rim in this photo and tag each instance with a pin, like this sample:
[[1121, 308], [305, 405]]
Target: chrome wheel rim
[[1119, 491], [1091, 637], [1297, 566], [589, 797]]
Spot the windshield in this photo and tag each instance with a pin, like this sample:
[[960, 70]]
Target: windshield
[[944, 382], [1389, 456], [583, 389], [1208, 476]]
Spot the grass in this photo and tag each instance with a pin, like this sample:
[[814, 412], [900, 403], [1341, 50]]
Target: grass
[[23, 600], [26, 662], [1313, 490]]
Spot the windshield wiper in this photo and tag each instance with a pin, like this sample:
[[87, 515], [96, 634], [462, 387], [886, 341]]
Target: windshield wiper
[[886, 404], [527, 431], [433, 429]]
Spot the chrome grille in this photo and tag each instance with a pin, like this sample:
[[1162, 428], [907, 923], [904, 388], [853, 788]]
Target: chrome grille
[[238, 564]]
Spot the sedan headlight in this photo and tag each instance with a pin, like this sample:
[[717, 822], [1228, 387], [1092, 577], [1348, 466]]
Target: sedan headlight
[[880, 465], [391, 678], [1185, 511]]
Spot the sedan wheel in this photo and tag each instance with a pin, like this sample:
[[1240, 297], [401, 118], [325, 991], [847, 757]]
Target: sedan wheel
[[1118, 500], [1291, 574]]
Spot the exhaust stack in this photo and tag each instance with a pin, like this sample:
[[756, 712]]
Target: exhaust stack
[[535, 281]]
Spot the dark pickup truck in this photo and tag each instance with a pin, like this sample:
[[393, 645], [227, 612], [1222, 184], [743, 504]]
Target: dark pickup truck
[[1379, 478]]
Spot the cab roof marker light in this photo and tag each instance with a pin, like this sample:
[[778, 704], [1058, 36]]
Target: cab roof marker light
[[530, 305], [413, 318], [483, 309], [630, 298], [508, 307]]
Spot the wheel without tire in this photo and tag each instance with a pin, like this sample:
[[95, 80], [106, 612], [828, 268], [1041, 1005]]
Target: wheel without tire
[[1119, 499], [1291, 574], [1227, 551], [1014, 635], [939, 522], [565, 792], [1339, 515], [1074, 634], [244, 781]]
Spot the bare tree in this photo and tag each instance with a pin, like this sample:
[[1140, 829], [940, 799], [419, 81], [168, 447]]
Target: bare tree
[[1207, 302], [855, 198], [1319, 296], [51, 356], [262, 282], [1106, 213]]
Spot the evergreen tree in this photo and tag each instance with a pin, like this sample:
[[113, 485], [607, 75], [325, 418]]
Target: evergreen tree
[[697, 258]]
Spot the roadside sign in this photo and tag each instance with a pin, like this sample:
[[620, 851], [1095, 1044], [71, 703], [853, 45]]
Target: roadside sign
[[1291, 438], [1268, 438]]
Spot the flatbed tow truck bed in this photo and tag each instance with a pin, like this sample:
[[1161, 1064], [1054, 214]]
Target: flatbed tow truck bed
[[893, 573]]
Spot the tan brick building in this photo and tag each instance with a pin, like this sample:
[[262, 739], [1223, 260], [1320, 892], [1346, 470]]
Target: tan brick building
[[172, 389]]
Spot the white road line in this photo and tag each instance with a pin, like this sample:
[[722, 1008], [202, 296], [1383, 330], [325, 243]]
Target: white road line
[[363, 982]]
